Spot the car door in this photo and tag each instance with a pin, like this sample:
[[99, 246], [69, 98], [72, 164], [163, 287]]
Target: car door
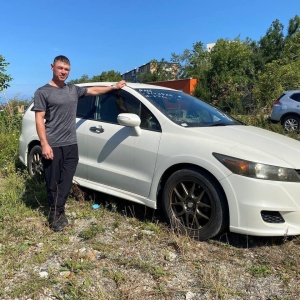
[[296, 103], [85, 111], [116, 156]]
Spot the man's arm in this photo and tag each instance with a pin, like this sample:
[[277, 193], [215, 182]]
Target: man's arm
[[97, 90], [47, 151]]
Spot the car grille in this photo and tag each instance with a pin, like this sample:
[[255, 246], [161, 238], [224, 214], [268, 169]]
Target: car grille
[[272, 216]]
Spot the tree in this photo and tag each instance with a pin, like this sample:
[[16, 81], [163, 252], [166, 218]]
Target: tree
[[272, 43], [107, 76], [225, 74], [4, 78], [294, 26], [192, 62], [231, 75], [195, 63], [84, 78], [281, 74], [104, 76]]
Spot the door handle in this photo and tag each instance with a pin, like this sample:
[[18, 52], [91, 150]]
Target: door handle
[[97, 129]]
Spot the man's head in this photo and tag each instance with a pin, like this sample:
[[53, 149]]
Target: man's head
[[61, 68]]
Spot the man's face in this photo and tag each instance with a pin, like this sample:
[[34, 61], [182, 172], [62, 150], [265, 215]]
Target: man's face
[[60, 70]]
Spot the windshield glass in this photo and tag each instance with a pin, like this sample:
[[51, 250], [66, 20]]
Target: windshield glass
[[186, 110]]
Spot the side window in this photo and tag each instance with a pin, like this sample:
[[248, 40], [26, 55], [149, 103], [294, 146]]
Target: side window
[[110, 105], [86, 107], [148, 120], [296, 97]]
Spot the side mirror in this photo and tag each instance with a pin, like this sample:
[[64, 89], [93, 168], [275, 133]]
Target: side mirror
[[130, 120]]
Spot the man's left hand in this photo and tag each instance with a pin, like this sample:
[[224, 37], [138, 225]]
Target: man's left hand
[[120, 84]]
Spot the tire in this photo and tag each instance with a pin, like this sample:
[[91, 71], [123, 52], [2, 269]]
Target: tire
[[194, 204], [35, 166], [291, 123]]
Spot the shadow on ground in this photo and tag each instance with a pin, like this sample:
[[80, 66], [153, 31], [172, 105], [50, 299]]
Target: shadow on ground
[[144, 213], [35, 198]]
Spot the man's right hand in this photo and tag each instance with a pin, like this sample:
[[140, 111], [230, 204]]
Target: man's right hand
[[47, 152]]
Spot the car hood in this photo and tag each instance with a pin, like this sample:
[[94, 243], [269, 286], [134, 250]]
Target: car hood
[[253, 143]]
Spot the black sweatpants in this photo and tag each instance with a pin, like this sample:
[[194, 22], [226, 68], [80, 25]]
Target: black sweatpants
[[59, 174]]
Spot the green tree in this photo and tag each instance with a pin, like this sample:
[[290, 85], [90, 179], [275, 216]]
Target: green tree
[[84, 78], [225, 74], [294, 26], [195, 63], [4, 78], [104, 76], [231, 75], [192, 62], [107, 76], [271, 45], [279, 75]]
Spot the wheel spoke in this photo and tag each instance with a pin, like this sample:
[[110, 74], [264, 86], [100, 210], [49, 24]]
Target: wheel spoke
[[201, 215], [37, 167], [185, 192], [178, 208]]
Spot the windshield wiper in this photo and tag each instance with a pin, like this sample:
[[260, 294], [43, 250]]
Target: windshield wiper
[[220, 124]]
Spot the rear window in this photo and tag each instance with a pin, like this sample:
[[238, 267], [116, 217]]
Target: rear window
[[296, 97]]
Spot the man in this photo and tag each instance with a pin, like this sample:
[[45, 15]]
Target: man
[[55, 107]]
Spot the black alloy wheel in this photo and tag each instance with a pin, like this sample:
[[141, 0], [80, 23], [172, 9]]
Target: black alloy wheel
[[194, 204]]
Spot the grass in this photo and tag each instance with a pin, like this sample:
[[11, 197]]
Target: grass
[[105, 254], [126, 251]]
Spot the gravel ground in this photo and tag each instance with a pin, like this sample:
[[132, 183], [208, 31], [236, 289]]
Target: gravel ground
[[107, 254]]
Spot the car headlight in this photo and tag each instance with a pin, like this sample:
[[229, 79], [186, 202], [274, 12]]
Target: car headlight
[[257, 170]]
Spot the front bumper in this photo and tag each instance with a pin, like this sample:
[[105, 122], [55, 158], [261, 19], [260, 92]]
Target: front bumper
[[249, 199]]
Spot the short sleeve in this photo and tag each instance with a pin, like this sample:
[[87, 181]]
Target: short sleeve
[[39, 100], [81, 91]]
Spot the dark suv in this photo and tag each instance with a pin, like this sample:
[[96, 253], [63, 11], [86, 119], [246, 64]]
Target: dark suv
[[286, 110]]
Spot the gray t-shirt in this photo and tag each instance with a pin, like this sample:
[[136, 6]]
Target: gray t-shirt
[[59, 105]]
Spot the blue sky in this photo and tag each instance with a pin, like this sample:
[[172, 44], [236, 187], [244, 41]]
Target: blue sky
[[119, 35]]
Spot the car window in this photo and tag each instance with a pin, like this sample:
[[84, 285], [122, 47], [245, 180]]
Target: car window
[[148, 120], [186, 110], [108, 106], [86, 107], [296, 97]]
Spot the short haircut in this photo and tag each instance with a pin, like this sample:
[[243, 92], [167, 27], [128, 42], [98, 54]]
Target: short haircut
[[61, 58]]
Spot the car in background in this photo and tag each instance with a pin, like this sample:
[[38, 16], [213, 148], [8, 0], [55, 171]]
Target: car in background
[[166, 149], [286, 110]]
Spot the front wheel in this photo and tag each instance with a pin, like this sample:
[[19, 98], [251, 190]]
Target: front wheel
[[35, 166], [194, 204]]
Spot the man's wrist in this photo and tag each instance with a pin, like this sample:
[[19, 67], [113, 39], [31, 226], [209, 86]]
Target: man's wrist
[[114, 86]]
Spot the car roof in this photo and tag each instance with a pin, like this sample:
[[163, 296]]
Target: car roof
[[133, 85], [291, 91]]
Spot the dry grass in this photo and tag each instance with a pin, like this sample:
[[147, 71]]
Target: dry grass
[[125, 251]]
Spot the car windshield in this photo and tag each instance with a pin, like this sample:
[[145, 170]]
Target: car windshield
[[185, 110]]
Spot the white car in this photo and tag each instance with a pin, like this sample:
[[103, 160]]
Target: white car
[[163, 148]]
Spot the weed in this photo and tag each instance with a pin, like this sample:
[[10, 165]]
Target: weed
[[259, 270], [151, 227], [91, 232], [77, 265]]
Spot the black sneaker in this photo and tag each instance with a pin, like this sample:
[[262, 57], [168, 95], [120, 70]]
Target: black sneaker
[[64, 219], [57, 221]]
